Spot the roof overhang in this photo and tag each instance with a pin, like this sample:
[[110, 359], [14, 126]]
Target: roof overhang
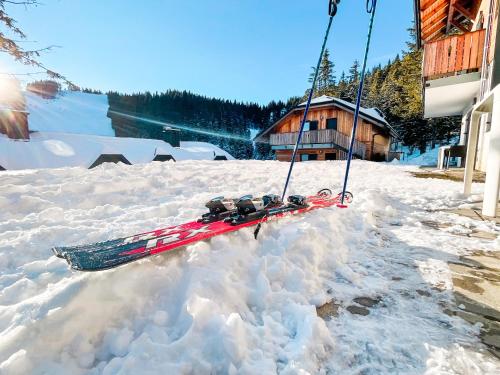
[[436, 18], [451, 96]]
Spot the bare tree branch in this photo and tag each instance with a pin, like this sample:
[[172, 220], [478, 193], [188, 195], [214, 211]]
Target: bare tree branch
[[11, 46], [26, 2]]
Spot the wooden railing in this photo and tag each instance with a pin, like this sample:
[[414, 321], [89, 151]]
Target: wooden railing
[[454, 54], [319, 137]]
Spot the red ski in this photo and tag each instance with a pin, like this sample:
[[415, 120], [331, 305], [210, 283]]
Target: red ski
[[109, 254]]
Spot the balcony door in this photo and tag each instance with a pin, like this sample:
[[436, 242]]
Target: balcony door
[[310, 126], [331, 123]]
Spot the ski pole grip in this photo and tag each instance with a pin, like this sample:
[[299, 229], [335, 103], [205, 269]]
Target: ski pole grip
[[332, 7]]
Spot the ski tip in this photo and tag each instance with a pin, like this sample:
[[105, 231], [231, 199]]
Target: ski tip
[[58, 252], [257, 230]]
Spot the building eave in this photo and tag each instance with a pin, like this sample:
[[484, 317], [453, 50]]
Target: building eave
[[418, 31]]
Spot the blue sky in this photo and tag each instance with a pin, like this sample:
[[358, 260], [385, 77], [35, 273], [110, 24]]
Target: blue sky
[[235, 49]]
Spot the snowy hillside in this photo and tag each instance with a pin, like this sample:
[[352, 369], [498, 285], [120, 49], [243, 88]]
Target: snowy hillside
[[232, 304], [70, 112]]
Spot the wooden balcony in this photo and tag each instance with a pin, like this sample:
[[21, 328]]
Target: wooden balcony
[[454, 54], [325, 136]]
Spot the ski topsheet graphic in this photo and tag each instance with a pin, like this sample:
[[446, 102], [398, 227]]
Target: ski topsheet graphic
[[109, 254]]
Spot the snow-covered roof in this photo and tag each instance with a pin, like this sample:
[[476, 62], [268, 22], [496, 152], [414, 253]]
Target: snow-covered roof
[[373, 115], [56, 150]]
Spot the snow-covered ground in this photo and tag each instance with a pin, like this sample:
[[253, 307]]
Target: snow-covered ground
[[232, 304]]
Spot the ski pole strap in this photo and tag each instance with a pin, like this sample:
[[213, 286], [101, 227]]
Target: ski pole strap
[[371, 6], [308, 104]]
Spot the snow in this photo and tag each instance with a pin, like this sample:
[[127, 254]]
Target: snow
[[232, 304], [204, 147], [428, 158], [70, 112], [56, 150]]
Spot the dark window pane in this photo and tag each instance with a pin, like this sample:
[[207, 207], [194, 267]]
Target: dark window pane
[[331, 123], [330, 156], [313, 125]]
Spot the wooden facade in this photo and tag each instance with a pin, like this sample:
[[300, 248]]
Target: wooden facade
[[330, 138], [454, 54]]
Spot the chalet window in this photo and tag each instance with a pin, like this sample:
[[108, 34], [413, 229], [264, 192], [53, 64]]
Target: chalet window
[[331, 123], [310, 125], [330, 156], [307, 157]]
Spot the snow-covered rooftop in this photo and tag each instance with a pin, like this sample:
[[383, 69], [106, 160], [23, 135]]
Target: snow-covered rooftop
[[56, 150], [73, 129], [374, 113]]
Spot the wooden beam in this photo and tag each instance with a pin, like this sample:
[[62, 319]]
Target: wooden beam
[[431, 31], [425, 12], [451, 11], [437, 14], [466, 13], [424, 4], [432, 26]]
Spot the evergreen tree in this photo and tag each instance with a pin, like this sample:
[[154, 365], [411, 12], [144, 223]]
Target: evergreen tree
[[342, 90], [353, 82], [325, 83]]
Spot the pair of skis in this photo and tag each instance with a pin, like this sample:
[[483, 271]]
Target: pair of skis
[[224, 216]]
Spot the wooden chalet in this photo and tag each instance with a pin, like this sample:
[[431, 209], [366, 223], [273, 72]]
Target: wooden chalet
[[327, 132]]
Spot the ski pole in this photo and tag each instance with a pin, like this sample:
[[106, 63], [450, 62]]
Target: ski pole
[[370, 9]]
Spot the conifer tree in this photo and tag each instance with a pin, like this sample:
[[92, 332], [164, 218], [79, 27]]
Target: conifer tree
[[326, 77], [353, 81]]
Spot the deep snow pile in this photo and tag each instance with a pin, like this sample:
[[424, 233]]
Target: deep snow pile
[[70, 112], [233, 304]]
